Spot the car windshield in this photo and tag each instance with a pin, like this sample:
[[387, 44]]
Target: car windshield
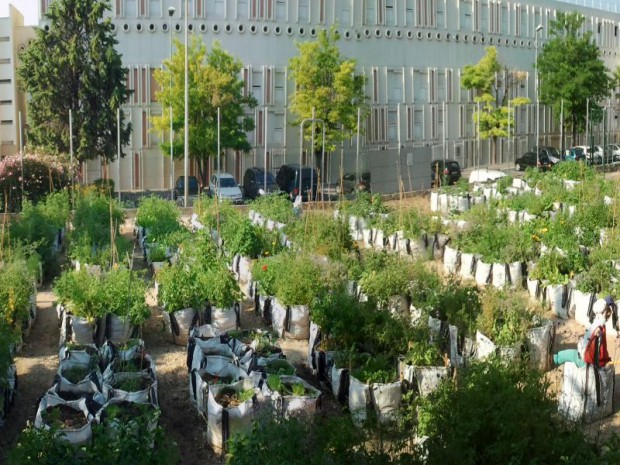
[[553, 152], [260, 177], [306, 175], [227, 182]]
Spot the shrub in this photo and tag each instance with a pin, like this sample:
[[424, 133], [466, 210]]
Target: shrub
[[124, 294], [42, 175], [105, 186], [16, 287], [320, 233], [274, 207], [497, 413]]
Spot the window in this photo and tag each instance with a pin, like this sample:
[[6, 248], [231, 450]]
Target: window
[[118, 11], [370, 14], [420, 86], [343, 12], [261, 9], [5, 61], [462, 121], [260, 129], [303, 11], [409, 12], [390, 14], [277, 135], [476, 15], [154, 8], [142, 8], [280, 10], [257, 90], [6, 122], [392, 125], [321, 11], [409, 123], [5, 81], [426, 13], [395, 86], [418, 123], [268, 77], [242, 9], [432, 85], [279, 88], [449, 86], [145, 129], [131, 8], [216, 9], [503, 12], [375, 85]]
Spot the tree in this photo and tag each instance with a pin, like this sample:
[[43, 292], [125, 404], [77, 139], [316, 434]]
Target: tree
[[326, 83], [213, 82], [74, 66], [493, 82], [570, 70]]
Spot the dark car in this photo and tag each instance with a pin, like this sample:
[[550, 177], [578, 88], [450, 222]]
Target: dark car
[[529, 160], [350, 184], [288, 179], [552, 153], [254, 180], [449, 173], [179, 186]]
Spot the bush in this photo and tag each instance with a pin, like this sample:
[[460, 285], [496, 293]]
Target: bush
[[105, 186], [16, 287], [497, 413], [42, 175], [320, 233], [159, 216]]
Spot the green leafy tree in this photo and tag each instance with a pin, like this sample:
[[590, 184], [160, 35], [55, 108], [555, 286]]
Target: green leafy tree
[[326, 83], [213, 82], [74, 66], [571, 70], [492, 82]]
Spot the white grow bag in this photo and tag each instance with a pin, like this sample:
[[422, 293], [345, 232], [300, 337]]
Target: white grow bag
[[73, 436], [539, 345], [578, 400], [359, 400], [557, 297], [179, 323], [451, 259], [581, 305], [468, 266], [386, 399], [429, 378], [483, 273]]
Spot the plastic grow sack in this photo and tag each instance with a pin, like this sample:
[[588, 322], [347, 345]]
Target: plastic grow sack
[[148, 395], [429, 378], [223, 319], [224, 422], [297, 323], [215, 367], [288, 406], [579, 400], [359, 400], [75, 436], [483, 275], [484, 346], [118, 330], [278, 317], [540, 345], [91, 383], [78, 330], [179, 323], [386, 398], [451, 260], [580, 306], [556, 296], [468, 266]]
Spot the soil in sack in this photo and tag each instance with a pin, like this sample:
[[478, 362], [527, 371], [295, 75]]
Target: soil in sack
[[64, 417], [212, 379], [229, 397]]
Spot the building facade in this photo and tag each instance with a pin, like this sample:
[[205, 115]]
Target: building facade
[[13, 37], [412, 53]]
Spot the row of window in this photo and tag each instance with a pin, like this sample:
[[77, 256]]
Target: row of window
[[485, 16]]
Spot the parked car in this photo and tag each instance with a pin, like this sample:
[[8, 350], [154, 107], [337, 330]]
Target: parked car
[[224, 187], [613, 150], [288, 178], [574, 154], [449, 173], [529, 159], [179, 186], [350, 184], [552, 153], [593, 154], [254, 183]]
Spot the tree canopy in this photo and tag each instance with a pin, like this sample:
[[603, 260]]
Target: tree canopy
[[326, 82], [213, 82], [493, 82], [74, 66], [570, 70]]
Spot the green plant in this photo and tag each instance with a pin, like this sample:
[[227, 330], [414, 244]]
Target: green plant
[[105, 186], [179, 287], [319, 233], [424, 351], [373, 368], [76, 374], [159, 216], [16, 287], [220, 286], [132, 384], [279, 367], [82, 294], [385, 276], [157, 253], [274, 207], [241, 237], [506, 317], [365, 205], [298, 280], [485, 415], [124, 294]]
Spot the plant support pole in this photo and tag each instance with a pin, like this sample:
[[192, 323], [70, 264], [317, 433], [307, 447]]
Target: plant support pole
[[357, 148], [21, 152], [186, 120], [71, 148], [118, 154], [265, 161]]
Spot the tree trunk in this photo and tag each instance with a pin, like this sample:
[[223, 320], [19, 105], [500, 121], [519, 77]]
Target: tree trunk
[[494, 151], [574, 118]]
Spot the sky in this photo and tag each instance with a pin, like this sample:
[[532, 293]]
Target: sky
[[29, 8]]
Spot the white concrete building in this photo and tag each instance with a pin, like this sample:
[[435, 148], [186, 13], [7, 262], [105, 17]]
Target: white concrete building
[[13, 37], [412, 52]]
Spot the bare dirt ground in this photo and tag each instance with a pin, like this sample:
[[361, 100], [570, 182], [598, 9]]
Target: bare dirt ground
[[38, 361]]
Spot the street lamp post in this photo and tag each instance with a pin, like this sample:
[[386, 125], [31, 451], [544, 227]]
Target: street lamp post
[[538, 29], [186, 125], [171, 11]]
